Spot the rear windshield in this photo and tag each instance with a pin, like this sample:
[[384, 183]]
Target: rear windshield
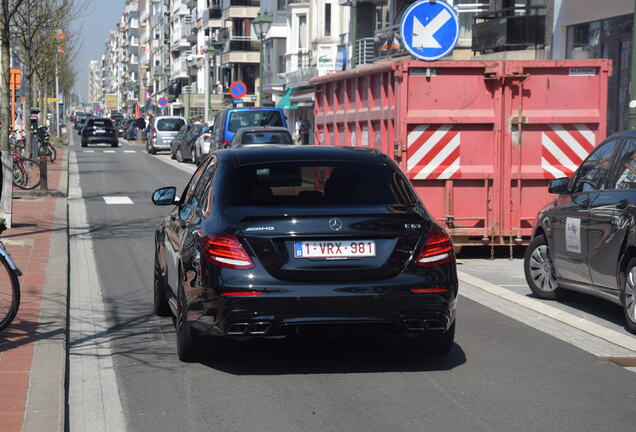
[[102, 123], [170, 124], [307, 184], [262, 137], [241, 119]]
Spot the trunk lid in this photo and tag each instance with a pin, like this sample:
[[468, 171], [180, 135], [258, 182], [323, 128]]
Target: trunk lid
[[391, 237]]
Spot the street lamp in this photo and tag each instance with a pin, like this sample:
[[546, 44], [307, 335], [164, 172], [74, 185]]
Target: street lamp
[[262, 24], [209, 55], [189, 63]]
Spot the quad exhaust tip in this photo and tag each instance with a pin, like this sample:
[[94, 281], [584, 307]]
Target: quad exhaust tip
[[256, 328], [415, 324]]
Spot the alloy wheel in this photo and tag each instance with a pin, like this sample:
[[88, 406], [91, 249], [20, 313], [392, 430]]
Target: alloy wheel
[[630, 294], [541, 269]]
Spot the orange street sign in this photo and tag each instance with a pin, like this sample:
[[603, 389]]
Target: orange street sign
[[14, 82]]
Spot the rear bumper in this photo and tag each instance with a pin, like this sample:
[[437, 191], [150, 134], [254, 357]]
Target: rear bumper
[[161, 145], [100, 139], [370, 311]]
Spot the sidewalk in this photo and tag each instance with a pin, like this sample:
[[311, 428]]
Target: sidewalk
[[33, 347]]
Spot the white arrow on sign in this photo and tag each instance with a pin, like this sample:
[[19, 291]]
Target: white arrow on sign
[[423, 35]]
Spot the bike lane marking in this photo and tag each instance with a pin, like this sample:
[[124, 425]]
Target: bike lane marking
[[93, 395]]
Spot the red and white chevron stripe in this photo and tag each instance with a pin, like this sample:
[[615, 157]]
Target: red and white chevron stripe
[[564, 147], [433, 152]]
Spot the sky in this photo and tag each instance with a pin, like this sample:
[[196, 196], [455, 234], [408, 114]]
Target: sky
[[100, 18]]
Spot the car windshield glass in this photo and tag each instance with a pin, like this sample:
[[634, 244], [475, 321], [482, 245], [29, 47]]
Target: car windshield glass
[[241, 119], [265, 137], [291, 184], [170, 125], [102, 123]]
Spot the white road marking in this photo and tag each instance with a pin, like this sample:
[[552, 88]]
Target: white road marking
[[130, 151], [88, 151], [618, 339], [117, 200], [94, 402], [109, 151]]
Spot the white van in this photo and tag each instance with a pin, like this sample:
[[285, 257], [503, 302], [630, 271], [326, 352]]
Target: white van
[[163, 131]]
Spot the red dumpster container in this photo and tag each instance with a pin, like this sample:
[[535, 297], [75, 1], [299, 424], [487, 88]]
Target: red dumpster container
[[478, 139]]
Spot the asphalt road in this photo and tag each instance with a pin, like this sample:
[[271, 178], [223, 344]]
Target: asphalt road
[[501, 375]]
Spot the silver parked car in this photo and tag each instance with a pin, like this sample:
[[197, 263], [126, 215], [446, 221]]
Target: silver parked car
[[202, 146], [261, 135], [163, 131]]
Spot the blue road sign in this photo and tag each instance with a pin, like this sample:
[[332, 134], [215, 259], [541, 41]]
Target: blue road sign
[[162, 102], [430, 29], [238, 89]]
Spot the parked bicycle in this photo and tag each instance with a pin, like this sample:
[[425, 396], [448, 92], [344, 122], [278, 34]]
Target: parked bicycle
[[9, 284], [26, 171], [45, 146]]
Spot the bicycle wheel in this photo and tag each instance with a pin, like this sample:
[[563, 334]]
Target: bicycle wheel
[[9, 294], [52, 153], [19, 175], [32, 169]]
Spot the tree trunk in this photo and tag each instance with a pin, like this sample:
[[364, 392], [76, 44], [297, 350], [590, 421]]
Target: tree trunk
[[28, 102], [7, 161]]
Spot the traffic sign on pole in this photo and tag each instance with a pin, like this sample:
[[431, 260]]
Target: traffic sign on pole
[[430, 29], [162, 102], [238, 89]]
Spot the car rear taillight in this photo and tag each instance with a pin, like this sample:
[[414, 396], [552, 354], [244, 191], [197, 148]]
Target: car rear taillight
[[437, 250], [206, 136], [154, 134], [226, 251], [225, 143]]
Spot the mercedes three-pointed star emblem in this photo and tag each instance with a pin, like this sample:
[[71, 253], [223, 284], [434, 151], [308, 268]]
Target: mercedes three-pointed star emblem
[[335, 224]]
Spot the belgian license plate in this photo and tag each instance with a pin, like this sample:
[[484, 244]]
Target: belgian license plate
[[334, 249], [100, 131]]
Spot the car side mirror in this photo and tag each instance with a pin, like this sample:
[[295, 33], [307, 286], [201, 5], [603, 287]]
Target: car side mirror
[[165, 196], [559, 186]]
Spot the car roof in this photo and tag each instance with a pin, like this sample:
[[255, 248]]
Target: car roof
[[254, 109], [99, 118], [623, 134], [261, 128], [267, 154]]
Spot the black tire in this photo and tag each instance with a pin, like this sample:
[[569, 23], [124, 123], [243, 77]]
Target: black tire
[[161, 305], [172, 155], [151, 149], [9, 295], [539, 272], [629, 295], [84, 144], [115, 144], [179, 156], [438, 344], [32, 168], [187, 347]]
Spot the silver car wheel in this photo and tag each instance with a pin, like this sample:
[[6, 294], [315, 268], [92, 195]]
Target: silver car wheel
[[541, 269], [630, 294]]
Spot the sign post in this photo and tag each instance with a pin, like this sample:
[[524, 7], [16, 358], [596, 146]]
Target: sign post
[[430, 29], [14, 84], [238, 89]]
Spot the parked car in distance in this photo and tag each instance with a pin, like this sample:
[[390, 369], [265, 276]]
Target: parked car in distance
[[584, 239], [229, 121], [81, 123], [182, 147], [262, 135], [202, 145], [355, 252], [99, 130], [164, 129], [134, 128]]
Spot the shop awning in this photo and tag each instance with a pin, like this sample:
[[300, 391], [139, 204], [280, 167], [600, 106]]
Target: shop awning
[[285, 100]]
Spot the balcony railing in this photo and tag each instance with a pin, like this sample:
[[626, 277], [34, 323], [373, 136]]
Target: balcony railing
[[213, 13], [365, 51], [509, 32], [229, 3], [284, 3], [239, 44]]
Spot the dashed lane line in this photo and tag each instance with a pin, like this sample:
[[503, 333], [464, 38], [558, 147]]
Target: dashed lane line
[[115, 200]]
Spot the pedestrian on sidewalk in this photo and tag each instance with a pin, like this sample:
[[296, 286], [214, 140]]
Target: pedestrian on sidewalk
[[302, 130]]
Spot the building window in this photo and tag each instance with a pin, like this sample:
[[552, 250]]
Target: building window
[[327, 19], [468, 10], [302, 31]]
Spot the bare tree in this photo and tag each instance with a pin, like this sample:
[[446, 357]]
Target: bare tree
[[8, 10]]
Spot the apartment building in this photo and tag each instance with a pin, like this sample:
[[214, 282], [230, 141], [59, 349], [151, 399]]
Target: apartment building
[[240, 48], [129, 55], [94, 81], [145, 85]]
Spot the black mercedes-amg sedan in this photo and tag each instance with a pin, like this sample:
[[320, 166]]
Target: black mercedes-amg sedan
[[271, 242]]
